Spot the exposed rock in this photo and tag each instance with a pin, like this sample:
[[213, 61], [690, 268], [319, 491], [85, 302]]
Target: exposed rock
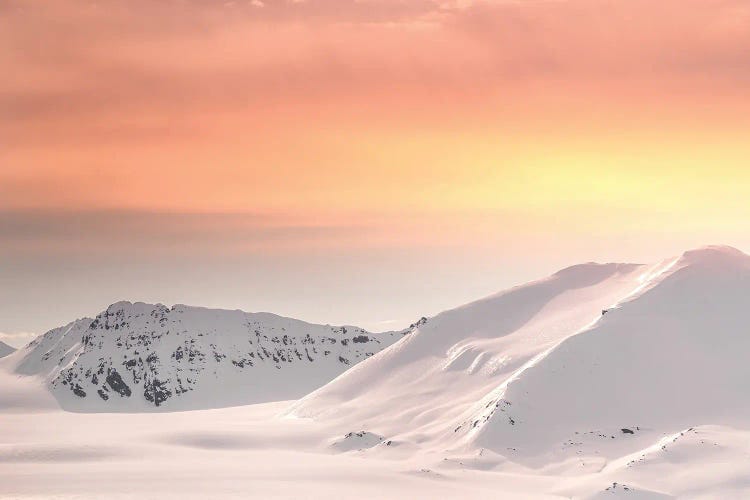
[[140, 355]]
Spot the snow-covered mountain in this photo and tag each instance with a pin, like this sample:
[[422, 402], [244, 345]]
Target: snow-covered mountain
[[594, 363], [136, 356], [5, 349]]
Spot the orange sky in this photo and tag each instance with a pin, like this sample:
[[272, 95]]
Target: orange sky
[[343, 126], [191, 105]]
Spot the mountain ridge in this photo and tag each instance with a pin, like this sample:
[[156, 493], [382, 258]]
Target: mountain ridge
[[135, 356]]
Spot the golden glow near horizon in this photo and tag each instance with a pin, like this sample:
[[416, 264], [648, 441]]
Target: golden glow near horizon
[[392, 114]]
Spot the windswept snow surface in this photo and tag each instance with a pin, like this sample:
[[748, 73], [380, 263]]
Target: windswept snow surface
[[601, 381]]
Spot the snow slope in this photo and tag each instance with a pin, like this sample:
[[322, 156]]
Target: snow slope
[[707, 461], [566, 374], [139, 357], [425, 388], [672, 357]]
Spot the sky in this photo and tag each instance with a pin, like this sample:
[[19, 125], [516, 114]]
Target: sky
[[357, 161]]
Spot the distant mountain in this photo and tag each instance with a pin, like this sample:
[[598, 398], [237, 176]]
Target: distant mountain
[[5, 349], [140, 357]]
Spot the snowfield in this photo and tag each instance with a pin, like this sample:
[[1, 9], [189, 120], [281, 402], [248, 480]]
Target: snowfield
[[600, 381]]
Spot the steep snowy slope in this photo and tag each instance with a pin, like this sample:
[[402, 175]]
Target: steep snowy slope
[[5, 349], [672, 357], [575, 375], [135, 357], [424, 390]]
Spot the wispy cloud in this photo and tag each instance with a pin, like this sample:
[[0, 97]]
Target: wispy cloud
[[17, 339], [133, 232]]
